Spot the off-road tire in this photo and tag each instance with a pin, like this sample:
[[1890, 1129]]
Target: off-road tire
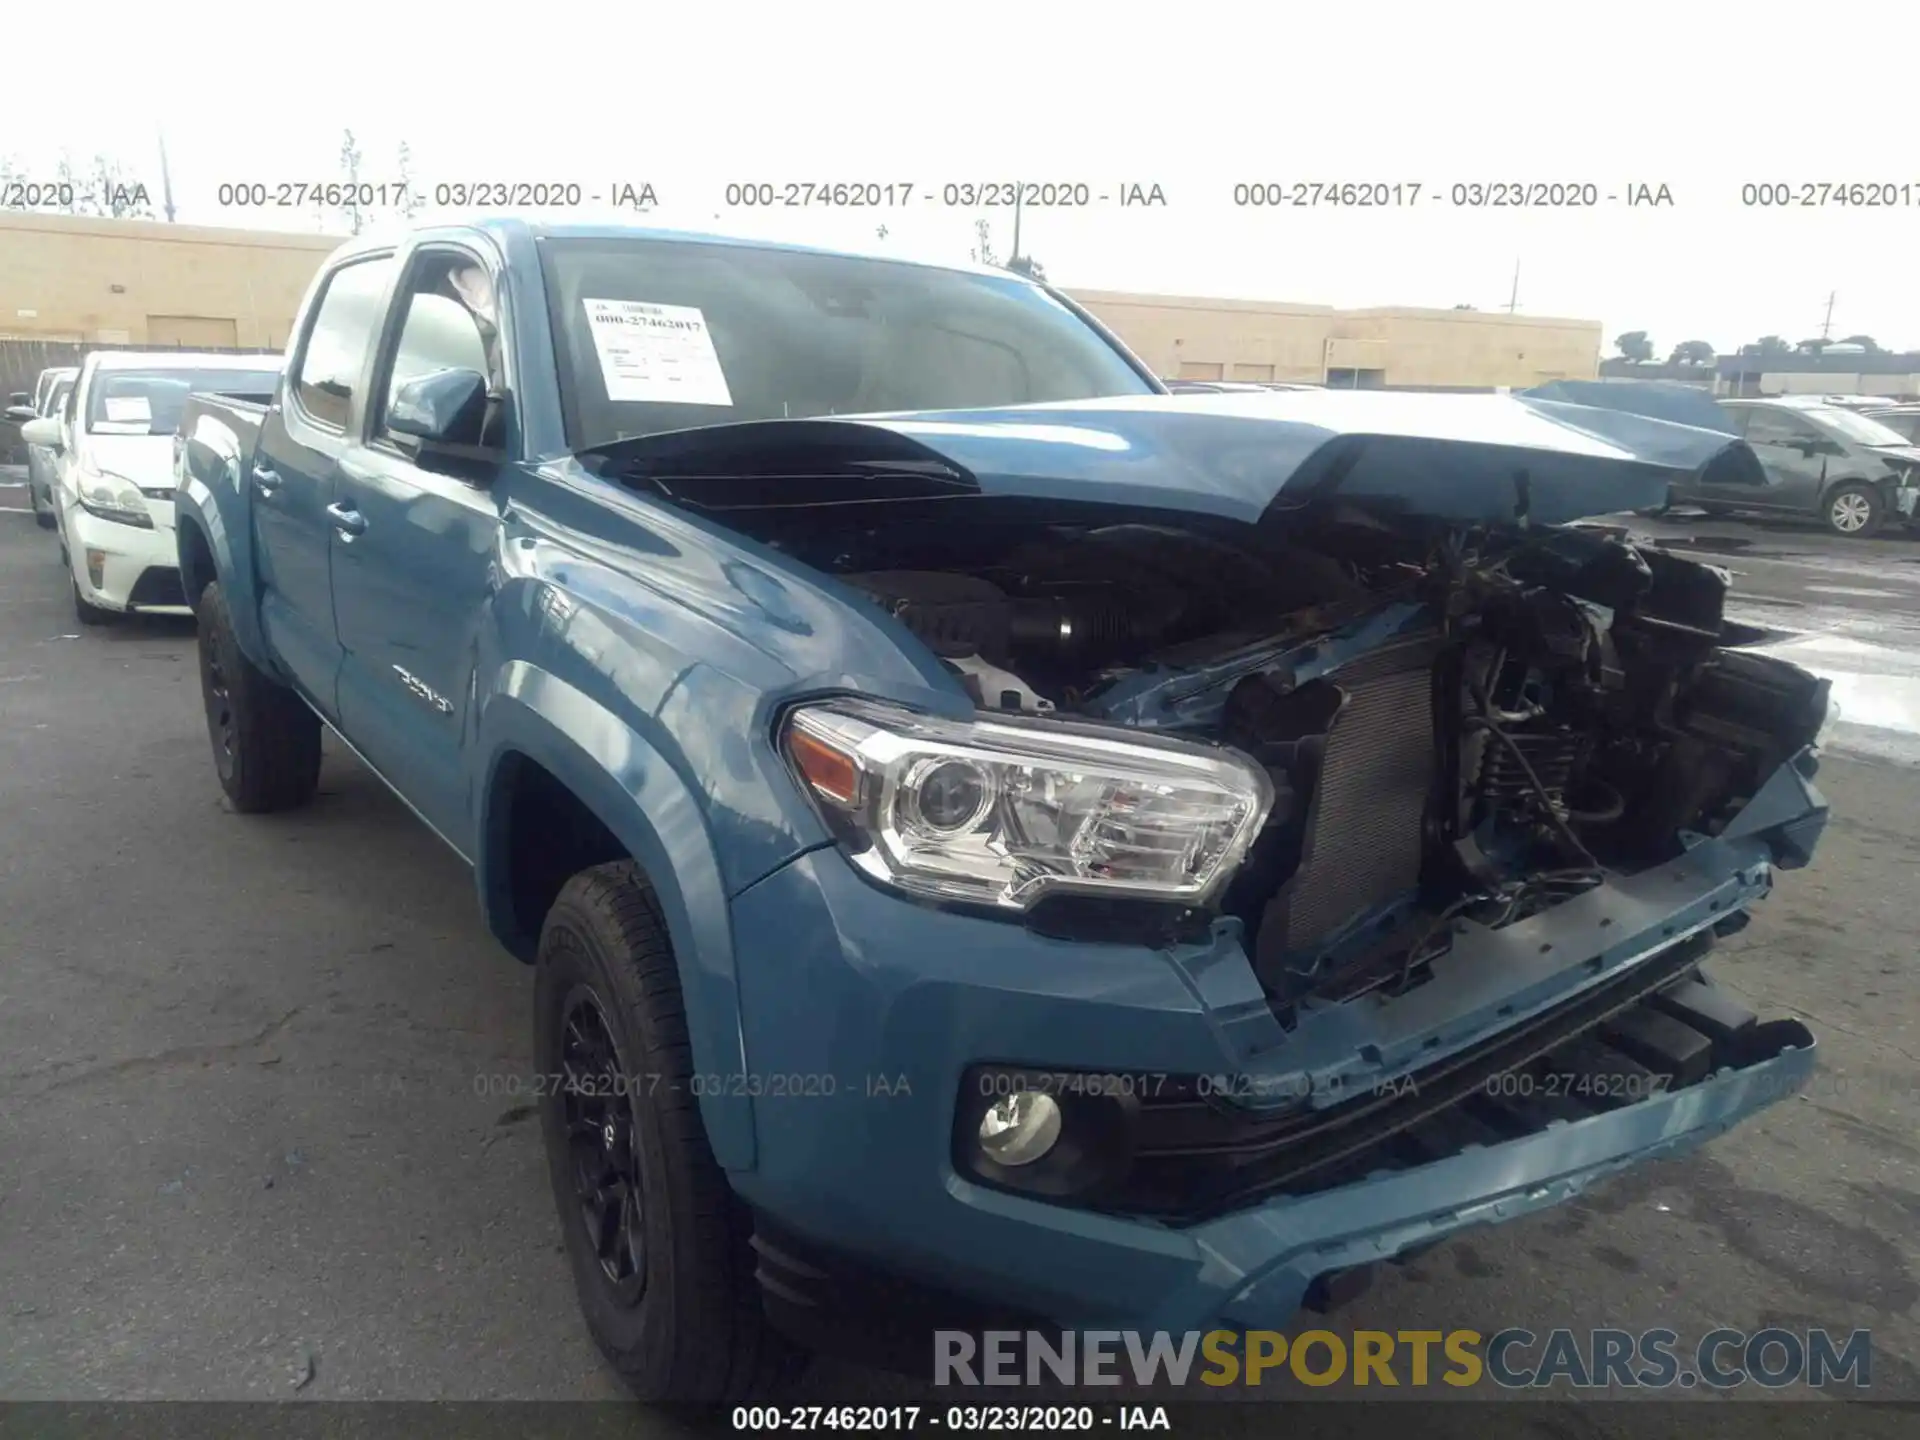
[[266, 742], [696, 1333], [1861, 500]]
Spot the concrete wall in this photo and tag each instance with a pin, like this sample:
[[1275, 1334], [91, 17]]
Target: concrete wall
[[136, 282], [1190, 337]]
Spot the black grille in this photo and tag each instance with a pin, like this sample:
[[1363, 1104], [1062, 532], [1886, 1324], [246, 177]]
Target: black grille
[[1364, 840], [157, 585]]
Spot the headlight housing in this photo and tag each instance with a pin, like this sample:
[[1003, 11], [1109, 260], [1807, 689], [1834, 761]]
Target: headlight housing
[[112, 497], [1003, 812]]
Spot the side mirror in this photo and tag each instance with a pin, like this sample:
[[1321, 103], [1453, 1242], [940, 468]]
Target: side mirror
[[22, 413], [447, 407], [43, 431]]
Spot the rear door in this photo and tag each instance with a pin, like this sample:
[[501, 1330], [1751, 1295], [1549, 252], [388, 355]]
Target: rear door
[[415, 567], [1793, 452], [303, 436]]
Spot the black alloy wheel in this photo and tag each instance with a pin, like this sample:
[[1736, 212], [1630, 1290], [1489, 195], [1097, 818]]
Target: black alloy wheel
[[597, 1112], [219, 701]]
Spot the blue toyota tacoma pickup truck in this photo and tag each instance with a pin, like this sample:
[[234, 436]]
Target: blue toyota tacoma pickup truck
[[998, 842]]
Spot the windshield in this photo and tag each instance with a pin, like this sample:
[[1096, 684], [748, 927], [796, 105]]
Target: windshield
[[149, 402], [1858, 428], [57, 397], [658, 335]]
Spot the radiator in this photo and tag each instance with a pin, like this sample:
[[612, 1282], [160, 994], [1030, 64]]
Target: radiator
[[1364, 836]]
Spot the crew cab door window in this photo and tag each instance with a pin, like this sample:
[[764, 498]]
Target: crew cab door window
[[447, 322], [336, 349]]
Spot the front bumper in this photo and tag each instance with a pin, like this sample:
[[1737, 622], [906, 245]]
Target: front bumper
[[863, 1014], [119, 567]]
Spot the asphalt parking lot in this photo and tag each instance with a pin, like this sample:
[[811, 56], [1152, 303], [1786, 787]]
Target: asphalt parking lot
[[257, 1138]]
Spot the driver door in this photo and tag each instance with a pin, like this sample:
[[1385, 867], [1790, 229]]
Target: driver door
[[414, 561]]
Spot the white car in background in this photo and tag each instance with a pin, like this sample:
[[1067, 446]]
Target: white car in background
[[113, 471]]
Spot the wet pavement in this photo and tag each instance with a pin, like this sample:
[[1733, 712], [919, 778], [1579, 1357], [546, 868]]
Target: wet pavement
[[1848, 610]]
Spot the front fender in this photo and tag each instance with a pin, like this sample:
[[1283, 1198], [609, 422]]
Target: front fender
[[649, 809], [210, 504]]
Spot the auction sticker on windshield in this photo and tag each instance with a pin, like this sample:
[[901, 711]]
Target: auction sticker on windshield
[[129, 410], [656, 354]]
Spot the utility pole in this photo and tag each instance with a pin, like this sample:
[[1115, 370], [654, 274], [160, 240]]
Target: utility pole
[[1016, 224], [166, 180], [1513, 300], [1826, 326]]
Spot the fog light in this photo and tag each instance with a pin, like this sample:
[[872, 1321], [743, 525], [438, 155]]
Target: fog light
[[96, 566], [1020, 1128]]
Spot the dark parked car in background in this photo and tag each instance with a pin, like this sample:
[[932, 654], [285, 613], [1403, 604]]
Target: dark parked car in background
[[1822, 461]]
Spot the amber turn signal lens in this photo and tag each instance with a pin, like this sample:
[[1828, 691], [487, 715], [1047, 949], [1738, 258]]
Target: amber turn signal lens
[[829, 771]]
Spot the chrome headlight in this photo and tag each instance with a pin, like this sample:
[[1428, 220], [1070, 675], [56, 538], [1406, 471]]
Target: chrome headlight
[[112, 497], [1001, 811]]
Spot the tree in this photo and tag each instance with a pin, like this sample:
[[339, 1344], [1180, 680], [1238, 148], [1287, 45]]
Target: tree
[[409, 203], [1865, 342], [78, 201], [983, 242], [1635, 346], [12, 179], [107, 188], [1766, 345], [1028, 266], [119, 194], [1466, 307], [1691, 352], [350, 208], [1813, 347]]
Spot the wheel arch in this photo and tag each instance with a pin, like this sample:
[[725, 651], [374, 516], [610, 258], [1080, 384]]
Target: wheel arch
[[538, 731]]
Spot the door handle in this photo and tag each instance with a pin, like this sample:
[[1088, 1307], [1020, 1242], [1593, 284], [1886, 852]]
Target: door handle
[[349, 521], [266, 481]]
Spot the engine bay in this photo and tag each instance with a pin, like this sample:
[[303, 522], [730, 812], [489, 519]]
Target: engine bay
[[1459, 724]]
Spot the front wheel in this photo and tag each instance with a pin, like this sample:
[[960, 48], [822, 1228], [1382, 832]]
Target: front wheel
[[1855, 511], [266, 742], [42, 510], [658, 1242]]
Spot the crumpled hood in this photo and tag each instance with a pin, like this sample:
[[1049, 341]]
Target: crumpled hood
[[1454, 456], [1656, 399], [1467, 458]]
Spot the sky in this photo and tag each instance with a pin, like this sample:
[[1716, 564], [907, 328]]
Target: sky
[[1192, 99]]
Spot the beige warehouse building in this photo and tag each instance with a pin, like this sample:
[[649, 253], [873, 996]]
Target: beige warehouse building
[[80, 280], [1190, 338], [139, 282]]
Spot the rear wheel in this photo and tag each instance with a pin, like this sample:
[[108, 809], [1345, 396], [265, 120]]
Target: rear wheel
[[266, 742], [657, 1240], [1855, 511]]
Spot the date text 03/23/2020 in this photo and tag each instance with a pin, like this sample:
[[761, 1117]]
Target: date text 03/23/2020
[[610, 1084], [960, 1419]]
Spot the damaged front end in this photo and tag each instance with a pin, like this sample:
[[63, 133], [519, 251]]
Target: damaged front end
[[1512, 779]]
